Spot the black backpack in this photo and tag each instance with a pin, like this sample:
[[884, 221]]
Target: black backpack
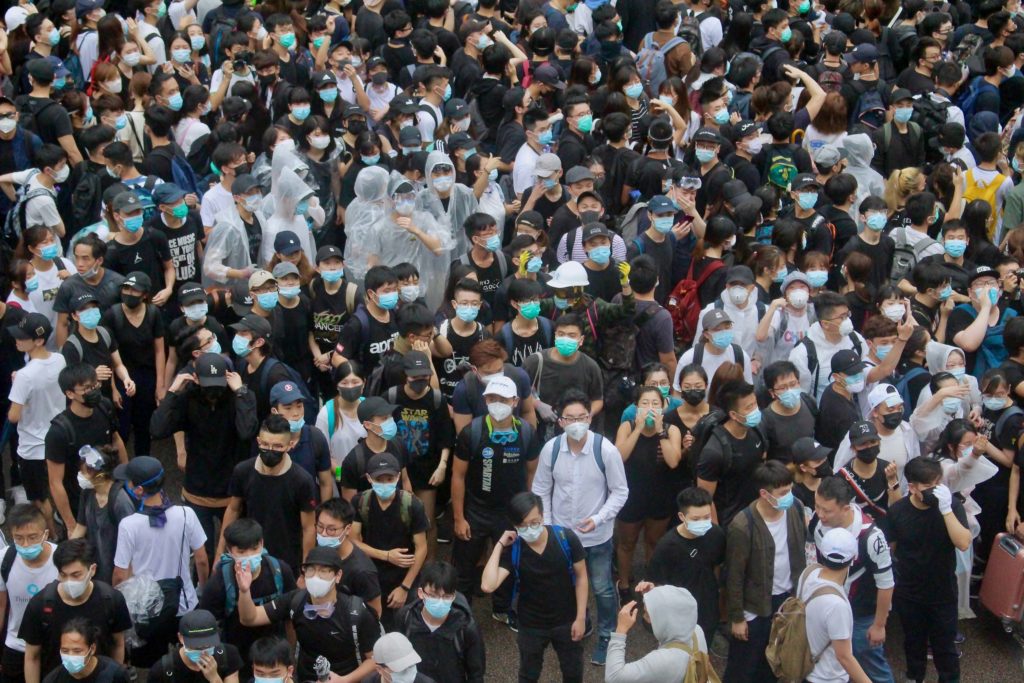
[[812, 359], [870, 110], [28, 109], [312, 406], [930, 116], [14, 225]]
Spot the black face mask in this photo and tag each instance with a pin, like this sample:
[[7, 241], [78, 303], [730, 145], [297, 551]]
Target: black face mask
[[357, 127], [694, 396], [610, 49], [212, 394], [416, 386], [379, 78], [131, 300], [242, 169], [823, 470], [892, 420], [868, 455], [267, 80], [271, 458], [351, 394], [92, 398], [929, 498]]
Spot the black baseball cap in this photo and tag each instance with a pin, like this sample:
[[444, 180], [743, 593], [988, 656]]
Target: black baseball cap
[[32, 326], [806, 449], [324, 557], [255, 324], [373, 407], [328, 251], [383, 463], [416, 364], [847, 361], [863, 432], [191, 293], [211, 369], [591, 230], [138, 280], [83, 300], [199, 630]]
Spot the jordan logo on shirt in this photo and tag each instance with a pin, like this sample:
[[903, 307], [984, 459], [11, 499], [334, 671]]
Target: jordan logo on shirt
[[138, 258]]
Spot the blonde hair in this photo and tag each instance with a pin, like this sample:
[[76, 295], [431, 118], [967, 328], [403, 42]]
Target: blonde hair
[[902, 183]]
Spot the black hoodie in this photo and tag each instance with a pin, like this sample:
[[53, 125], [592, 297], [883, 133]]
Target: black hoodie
[[453, 652]]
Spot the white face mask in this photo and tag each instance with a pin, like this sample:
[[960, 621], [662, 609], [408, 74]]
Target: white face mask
[[84, 483], [7, 125], [404, 676], [62, 174], [252, 202], [729, 243], [846, 327], [894, 312], [499, 411], [114, 86], [317, 587], [320, 141], [75, 589], [132, 58], [798, 298], [738, 295], [577, 430], [409, 293]]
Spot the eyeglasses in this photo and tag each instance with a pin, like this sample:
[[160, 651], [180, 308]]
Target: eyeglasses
[[323, 572], [329, 530], [570, 419]]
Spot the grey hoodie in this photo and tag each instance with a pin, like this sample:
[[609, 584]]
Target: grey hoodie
[[859, 152], [673, 613]]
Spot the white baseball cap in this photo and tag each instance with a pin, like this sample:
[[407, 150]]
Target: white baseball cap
[[502, 386], [838, 546], [394, 651], [886, 393]]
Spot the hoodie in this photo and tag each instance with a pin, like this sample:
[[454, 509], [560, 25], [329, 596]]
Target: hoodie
[[929, 425], [452, 652], [461, 203], [673, 613], [859, 152]]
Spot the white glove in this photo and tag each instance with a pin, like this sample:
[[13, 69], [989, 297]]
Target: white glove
[[945, 498]]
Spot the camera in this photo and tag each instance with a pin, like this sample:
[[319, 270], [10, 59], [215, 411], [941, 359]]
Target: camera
[[241, 60]]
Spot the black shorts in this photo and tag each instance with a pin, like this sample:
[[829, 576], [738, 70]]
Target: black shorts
[[34, 479]]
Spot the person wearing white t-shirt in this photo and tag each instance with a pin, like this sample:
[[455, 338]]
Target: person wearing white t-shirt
[[714, 348], [829, 621], [147, 19], [539, 138], [739, 300], [52, 170], [36, 399], [31, 569]]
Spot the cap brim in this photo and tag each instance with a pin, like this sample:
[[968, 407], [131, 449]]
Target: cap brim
[[241, 326], [218, 381], [193, 299], [202, 642], [860, 440], [418, 372], [121, 472], [18, 333], [384, 470], [403, 663]]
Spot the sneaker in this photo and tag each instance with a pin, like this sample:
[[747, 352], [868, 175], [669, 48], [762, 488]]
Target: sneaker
[[600, 652], [513, 622], [500, 617]]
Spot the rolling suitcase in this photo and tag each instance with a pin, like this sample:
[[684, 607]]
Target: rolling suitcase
[[1002, 588]]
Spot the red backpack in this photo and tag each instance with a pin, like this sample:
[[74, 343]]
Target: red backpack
[[684, 302]]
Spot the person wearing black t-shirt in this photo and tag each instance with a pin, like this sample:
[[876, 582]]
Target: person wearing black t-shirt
[[958, 268], [371, 331], [201, 655], [732, 453], [377, 418], [690, 556], [875, 487], [602, 270], [1002, 423], [327, 622], [805, 197], [195, 310], [277, 493], [251, 344], [333, 299], [181, 228], [90, 343], [927, 528], [271, 578], [838, 407], [485, 256], [391, 528], [527, 332], [89, 420], [928, 305], [308, 448], [78, 639], [1013, 367], [134, 248], [550, 581], [458, 334], [334, 520]]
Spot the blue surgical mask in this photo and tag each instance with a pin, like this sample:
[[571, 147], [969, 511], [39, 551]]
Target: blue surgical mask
[[214, 347], [133, 223], [561, 303], [32, 284], [546, 138], [240, 345], [447, 92], [786, 34], [903, 114], [195, 312], [302, 208], [722, 117], [467, 314], [785, 502], [296, 425], [198, 42], [73, 663], [722, 339], [817, 278], [950, 404], [332, 275], [990, 402], [790, 398], [957, 372], [289, 292], [31, 552], [877, 221], [328, 94], [181, 55], [699, 528], [566, 346], [781, 275], [175, 102], [704, 156], [385, 491], [89, 318], [53, 38], [49, 252], [370, 160], [807, 200], [955, 248], [883, 351], [753, 419], [438, 607], [663, 224], [387, 301], [492, 175], [550, 183], [195, 655], [947, 292], [59, 83], [493, 243], [635, 90], [388, 429], [267, 300], [600, 255], [328, 541], [301, 112]]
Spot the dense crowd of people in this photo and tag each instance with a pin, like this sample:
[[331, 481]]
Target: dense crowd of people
[[703, 313]]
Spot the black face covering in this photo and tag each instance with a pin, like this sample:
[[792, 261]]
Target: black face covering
[[271, 458], [693, 396], [92, 398], [351, 394], [357, 127], [418, 385], [929, 498], [823, 470], [893, 420], [131, 300], [212, 394], [268, 79], [868, 455]]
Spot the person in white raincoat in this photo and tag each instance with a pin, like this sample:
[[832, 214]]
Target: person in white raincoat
[[459, 200], [362, 217], [294, 203], [228, 247], [960, 396], [405, 235]]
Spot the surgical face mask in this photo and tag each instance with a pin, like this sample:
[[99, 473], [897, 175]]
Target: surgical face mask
[[600, 255], [437, 608], [62, 174], [546, 138], [296, 425], [318, 587], [301, 112], [174, 102], [577, 430], [332, 275], [634, 91], [663, 224], [722, 339], [596, 78], [903, 114], [328, 94], [287, 40], [252, 202], [892, 420], [444, 183], [566, 346], [133, 223], [790, 398], [807, 200], [370, 160], [560, 303], [855, 383], [467, 314], [729, 243], [7, 125], [752, 419], [240, 345], [798, 297], [388, 429], [29, 552], [409, 293], [289, 292], [320, 141], [405, 675], [405, 207], [883, 351], [115, 88], [50, 252], [817, 278], [877, 221], [705, 156], [785, 502], [197, 42], [73, 663], [699, 528], [530, 310], [180, 211], [950, 405], [738, 295], [955, 248], [786, 34], [585, 123], [328, 541], [181, 55], [781, 275], [387, 301], [267, 300], [722, 117], [530, 534], [89, 318], [894, 312], [132, 58], [994, 403], [957, 372], [499, 411], [385, 491]]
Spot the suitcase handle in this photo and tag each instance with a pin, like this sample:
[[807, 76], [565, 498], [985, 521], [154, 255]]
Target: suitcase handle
[[1010, 545]]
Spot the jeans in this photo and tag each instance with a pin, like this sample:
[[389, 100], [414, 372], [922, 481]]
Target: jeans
[[600, 559], [533, 642], [747, 663], [871, 659], [925, 625]]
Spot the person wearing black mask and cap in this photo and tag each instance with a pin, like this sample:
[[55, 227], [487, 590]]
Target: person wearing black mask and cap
[[217, 414], [875, 484]]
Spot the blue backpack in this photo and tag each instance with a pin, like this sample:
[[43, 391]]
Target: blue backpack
[[182, 174], [969, 100], [517, 551], [903, 386], [312, 406]]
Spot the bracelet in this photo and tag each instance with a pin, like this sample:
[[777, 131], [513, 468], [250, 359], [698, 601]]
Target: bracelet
[[405, 588], [387, 556]]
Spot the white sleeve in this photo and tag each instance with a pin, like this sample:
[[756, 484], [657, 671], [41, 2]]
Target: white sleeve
[[684, 360], [748, 375], [21, 388], [125, 546], [615, 478], [194, 530], [798, 357], [878, 553], [543, 484]]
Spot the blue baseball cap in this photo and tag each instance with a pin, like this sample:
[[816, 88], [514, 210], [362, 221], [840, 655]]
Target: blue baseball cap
[[168, 193], [284, 393], [661, 204]]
